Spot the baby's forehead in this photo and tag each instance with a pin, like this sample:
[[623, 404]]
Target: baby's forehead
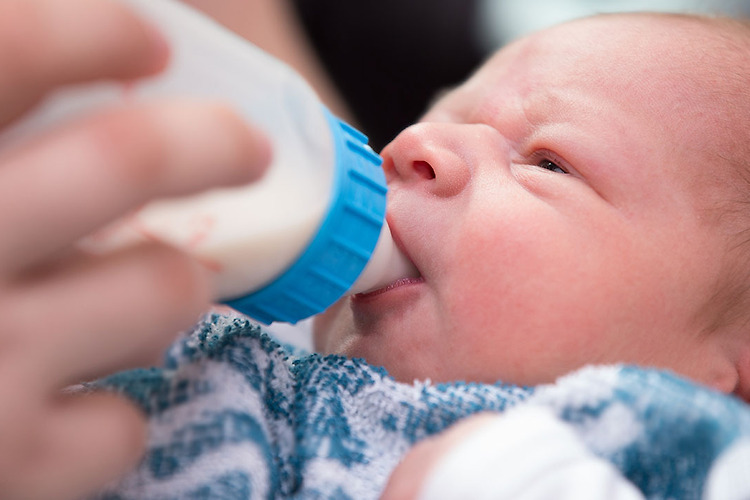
[[682, 67], [686, 76], [694, 75], [701, 42], [684, 73]]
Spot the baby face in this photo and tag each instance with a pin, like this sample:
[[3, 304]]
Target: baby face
[[552, 206]]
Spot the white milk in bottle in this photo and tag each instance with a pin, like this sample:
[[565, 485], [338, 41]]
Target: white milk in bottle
[[283, 248]]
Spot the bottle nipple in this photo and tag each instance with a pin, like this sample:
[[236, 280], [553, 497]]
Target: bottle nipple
[[387, 265]]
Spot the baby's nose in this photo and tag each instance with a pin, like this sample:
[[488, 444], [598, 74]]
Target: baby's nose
[[425, 155], [438, 157]]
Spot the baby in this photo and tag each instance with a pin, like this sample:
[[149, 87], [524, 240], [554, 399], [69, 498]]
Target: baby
[[578, 201]]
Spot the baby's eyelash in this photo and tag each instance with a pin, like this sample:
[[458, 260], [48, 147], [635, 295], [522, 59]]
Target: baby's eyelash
[[548, 161], [551, 166]]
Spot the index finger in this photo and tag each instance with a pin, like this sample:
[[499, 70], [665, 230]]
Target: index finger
[[48, 43], [75, 180]]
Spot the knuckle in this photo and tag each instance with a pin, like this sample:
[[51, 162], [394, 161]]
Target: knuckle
[[129, 142], [246, 152], [18, 18], [56, 41], [19, 434], [117, 41], [54, 25], [167, 146], [233, 124], [131, 429], [19, 315], [178, 280]]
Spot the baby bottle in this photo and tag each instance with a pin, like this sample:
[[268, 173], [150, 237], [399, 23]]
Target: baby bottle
[[283, 248]]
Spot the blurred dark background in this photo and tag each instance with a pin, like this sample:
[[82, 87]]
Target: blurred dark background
[[390, 57]]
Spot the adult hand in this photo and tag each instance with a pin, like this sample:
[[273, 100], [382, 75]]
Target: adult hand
[[67, 316]]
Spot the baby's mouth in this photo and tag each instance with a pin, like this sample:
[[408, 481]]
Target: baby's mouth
[[389, 267], [396, 284]]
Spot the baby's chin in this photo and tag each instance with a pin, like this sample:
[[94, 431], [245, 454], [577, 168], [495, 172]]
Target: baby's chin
[[334, 333], [388, 343], [330, 326]]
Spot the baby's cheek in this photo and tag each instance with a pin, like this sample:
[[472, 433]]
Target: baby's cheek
[[477, 291]]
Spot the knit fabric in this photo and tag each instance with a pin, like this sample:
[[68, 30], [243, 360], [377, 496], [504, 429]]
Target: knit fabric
[[235, 415]]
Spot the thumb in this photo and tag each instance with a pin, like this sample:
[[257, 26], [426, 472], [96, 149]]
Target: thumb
[[87, 441]]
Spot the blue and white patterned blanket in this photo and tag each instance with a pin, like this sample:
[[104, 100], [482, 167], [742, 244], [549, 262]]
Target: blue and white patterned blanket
[[235, 415]]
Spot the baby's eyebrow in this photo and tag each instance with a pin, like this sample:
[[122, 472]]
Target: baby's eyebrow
[[551, 104]]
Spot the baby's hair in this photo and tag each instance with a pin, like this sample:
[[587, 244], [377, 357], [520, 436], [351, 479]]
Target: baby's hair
[[728, 55]]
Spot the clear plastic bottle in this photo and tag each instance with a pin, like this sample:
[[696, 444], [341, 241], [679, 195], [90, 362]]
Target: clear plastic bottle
[[283, 248]]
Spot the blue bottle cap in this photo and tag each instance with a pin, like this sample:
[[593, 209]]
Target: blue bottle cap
[[342, 247]]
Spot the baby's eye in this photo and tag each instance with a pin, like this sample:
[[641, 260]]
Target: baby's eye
[[551, 166], [548, 160]]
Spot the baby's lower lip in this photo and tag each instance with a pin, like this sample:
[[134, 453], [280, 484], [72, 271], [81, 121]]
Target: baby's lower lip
[[396, 284]]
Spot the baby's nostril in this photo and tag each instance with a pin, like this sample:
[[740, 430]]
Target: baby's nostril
[[424, 169]]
